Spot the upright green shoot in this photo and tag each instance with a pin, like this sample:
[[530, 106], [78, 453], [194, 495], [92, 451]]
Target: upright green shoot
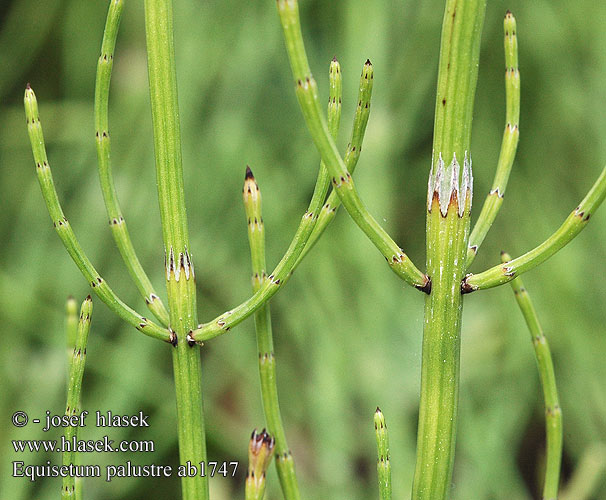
[[509, 146], [553, 412], [72, 486], [265, 346], [448, 220]]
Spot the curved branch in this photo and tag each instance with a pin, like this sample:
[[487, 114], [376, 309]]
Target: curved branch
[[65, 232], [306, 90], [572, 226]]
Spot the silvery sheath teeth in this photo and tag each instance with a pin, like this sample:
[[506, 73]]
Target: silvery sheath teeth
[[446, 185]]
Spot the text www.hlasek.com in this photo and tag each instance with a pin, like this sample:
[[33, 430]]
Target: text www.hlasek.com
[[82, 446]]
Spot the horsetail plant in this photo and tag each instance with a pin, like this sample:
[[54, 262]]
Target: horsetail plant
[[553, 412], [450, 247], [72, 486]]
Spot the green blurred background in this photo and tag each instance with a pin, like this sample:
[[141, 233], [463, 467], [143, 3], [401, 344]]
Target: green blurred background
[[348, 332]]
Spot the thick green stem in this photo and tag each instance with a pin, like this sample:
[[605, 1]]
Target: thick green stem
[[449, 205], [179, 265]]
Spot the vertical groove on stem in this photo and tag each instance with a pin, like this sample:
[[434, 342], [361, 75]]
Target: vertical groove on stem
[[179, 265], [449, 206]]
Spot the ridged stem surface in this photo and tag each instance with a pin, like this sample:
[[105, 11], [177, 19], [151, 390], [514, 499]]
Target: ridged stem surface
[[180, 276], [449, 205]]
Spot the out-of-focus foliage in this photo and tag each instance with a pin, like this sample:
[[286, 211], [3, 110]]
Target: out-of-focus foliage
[[348, 333]]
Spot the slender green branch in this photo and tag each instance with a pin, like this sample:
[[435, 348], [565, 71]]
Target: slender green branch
[[280, 275], [354, 148], [509, 146], [116, 220], [572, 226], [260, 453], [72, 487], [306, 90], [383, 464], [180, 278], [65, 232], [553, 412], [265, 346]]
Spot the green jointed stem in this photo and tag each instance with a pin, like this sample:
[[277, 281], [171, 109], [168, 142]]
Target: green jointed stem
[[180, 277], [116, 220], [280, 275], [65, 232], [553, 412], [306, 90], [383, 464], [449, 205], [265, 347], [70, 487], [494, 200], [572, 226]]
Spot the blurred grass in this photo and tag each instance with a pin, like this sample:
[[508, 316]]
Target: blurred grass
[[348, 334]]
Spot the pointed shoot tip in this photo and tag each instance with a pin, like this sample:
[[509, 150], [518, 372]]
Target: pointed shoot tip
[[368, 63], [249, 174]]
